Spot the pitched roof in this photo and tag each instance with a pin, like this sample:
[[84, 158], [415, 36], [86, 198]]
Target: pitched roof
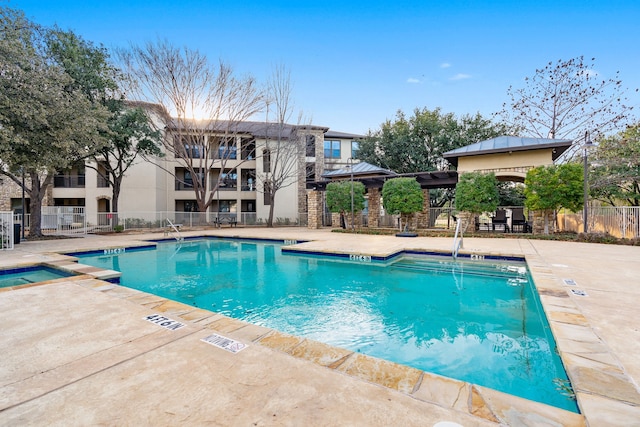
[[506, 144], [361, 168], [342, 135]]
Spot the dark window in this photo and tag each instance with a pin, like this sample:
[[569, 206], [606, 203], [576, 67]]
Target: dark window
[[311, 146], [266, 161], [267, 193], [311, 172], [248, 148], [355, 146], [189, 146]]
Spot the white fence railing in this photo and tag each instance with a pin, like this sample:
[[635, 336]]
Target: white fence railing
[[618, 221], [6, 230]]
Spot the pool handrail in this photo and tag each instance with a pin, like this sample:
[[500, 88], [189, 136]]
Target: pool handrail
[[178, 236], [457, 244]]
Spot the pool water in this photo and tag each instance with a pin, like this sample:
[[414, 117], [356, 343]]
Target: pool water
[[476, 321], [26, 275]]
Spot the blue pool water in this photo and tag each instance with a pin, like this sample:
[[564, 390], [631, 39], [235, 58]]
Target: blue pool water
[[477, 321], [26, 275]]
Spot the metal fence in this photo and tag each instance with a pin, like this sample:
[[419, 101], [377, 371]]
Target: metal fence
[[618, 221], [6, 230]]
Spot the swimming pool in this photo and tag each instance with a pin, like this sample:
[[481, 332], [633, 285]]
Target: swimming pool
[[479, 321], [32, 274]]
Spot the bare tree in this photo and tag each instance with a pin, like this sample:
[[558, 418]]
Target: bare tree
[[284, 148], [565, 99], [203, 107]]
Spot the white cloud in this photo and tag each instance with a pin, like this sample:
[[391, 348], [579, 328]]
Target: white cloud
[[460, 76], [445, 65], [591, 73], [413, 80]]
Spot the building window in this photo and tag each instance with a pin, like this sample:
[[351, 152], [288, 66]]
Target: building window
[[310, 172], [228, 206], [188, 179], [267, 193], [355, 146], [248, 178], [311, 146], [228, 149], [266, 161], [229, 180], [248, 148], [190, 206], [331, 149], [189, 146]]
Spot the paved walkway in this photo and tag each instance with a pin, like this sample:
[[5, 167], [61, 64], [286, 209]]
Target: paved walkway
[[79, 352]]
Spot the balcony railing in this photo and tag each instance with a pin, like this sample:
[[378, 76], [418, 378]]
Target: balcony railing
[[102, 183], [68, 181]]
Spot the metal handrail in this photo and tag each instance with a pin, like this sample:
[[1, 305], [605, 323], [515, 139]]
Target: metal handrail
[[179, 237], [457, 244]]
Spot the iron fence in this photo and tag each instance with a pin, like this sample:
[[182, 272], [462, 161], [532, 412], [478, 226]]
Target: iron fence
[[6, 230]]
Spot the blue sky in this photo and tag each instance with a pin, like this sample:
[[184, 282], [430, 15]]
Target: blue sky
[[355, 63]]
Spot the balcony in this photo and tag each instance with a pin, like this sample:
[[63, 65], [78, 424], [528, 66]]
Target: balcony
[[184, 186], [68, 181]]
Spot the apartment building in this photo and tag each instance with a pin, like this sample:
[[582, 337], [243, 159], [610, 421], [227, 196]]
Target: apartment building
[[236, 163]]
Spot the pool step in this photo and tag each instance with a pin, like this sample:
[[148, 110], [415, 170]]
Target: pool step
[[453, 267]]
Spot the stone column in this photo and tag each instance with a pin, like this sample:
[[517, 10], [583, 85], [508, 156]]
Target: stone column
[[314, 201], [335, 219], [374, 207], [539, 221], [422, 218]]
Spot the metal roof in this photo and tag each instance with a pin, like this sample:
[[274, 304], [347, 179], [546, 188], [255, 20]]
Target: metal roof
[[361, 168], [374, 177], [506, 144]]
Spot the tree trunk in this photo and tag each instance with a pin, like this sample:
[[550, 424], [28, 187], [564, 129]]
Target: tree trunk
[[36, 194], [117, 182], [272, 197]]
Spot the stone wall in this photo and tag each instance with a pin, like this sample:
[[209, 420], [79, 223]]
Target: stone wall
[[422, 218], [539, 222], [10, 190], [374, 207], [314, 202]]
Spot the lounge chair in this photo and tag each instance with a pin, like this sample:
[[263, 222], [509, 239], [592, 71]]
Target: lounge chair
[[500, 219]]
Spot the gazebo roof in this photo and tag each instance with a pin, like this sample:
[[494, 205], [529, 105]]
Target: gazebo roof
[[361, 168], [507, 144], [374, 177]]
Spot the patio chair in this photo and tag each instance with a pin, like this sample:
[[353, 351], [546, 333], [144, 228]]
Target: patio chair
[[519, 221], [500, 219]]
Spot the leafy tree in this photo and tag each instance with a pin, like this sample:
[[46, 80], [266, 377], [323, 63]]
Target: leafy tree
[[566, 98], [511, 194], [130, 137], [47, 121], [416, 144], [549, 188], [402, 196], [477, 192], [339, 197], [615, 175]]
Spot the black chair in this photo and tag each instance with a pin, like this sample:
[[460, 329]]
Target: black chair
[[500, 219], [519, 223]]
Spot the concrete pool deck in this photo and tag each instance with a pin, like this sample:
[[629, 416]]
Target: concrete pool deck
[[79, 352]]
